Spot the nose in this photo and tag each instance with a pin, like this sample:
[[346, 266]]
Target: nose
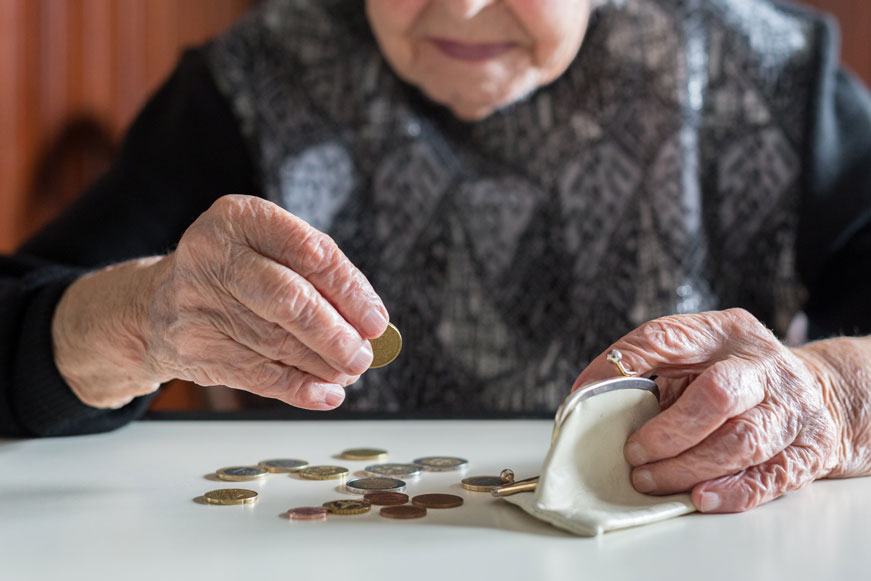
[[466, 9]]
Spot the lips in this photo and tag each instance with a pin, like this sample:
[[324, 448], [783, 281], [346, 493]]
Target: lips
[[472, 52]]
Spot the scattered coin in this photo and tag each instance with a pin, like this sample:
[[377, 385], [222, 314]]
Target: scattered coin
[[364, 485], [307, 513], [482, 483], [437, 501], [394, 470], [323, 472], [386, 498], [230, 496], [386, 347], [442, 463], [405, 511], [283, 464], [347, 506], [240, 473], [364, 454]]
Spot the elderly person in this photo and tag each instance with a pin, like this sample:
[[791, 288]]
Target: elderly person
[[518, 184]]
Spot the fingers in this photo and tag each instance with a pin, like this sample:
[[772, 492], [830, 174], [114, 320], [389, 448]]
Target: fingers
[[231, 364], [748, 440], [290, 241], [793, 468], [726, 389], [276, 344], [281, 296], [679, 345]]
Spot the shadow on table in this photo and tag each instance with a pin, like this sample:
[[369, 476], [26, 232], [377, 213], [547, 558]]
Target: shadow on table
[[7, 444]]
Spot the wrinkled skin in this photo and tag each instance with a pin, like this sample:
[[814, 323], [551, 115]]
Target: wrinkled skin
[[252, 298], [744, 419]]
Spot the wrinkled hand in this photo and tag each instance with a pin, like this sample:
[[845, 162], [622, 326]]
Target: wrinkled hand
[[256, 299], [744, 419]]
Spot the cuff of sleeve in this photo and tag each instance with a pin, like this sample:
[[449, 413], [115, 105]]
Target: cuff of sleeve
[[44, 403]]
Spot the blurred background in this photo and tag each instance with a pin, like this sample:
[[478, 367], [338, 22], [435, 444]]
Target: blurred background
[[74, 73]]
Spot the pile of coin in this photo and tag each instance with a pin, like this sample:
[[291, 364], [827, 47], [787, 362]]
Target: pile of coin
[[383, 485]]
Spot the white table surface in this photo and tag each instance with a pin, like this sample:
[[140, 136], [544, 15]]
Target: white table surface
[[122, 506]]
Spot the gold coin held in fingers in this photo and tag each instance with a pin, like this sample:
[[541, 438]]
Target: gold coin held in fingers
[[347, 506], [230, 496], [323, 472], [386, 347]]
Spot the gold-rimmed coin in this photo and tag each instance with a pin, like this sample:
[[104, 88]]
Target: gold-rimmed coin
[[437, 501], [241, 473], [386, 347], [394, 470], [405, 511], [228, 496], [364, 454], [386, 498], [323, 472], [283, 464], [347, 506], [482, 483]]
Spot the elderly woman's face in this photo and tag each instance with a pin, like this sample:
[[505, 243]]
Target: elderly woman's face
[[475, 56]]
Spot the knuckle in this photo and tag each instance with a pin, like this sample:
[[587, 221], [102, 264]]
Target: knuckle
[[666, 334], [751, 493], [296, 304], [319, 253], [719, 393], [339, 343], [742, 438], [267, 376]]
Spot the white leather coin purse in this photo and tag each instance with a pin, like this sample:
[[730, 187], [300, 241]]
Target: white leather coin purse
[[585, 486]]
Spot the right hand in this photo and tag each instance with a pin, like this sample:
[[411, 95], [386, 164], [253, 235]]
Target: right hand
[[256, 299]]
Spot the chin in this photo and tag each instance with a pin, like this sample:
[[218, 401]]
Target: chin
[[466, 113], [478, 104]]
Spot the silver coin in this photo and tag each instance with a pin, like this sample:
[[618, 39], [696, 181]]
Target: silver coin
[[393, 469], [366, 485], [240, 473], [442, 463], [283, 464]]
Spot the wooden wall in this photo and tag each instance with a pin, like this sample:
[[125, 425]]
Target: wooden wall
[[73, 73]]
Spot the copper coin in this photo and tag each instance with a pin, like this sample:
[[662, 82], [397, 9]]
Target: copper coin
[[308, 513], [404, 511], [437, 501], [386, 498]]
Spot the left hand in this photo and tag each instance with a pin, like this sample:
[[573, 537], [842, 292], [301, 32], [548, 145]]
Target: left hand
[[744, 418]]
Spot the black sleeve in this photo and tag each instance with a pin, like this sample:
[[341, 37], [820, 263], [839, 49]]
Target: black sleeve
[[834, 244], [182, 152]]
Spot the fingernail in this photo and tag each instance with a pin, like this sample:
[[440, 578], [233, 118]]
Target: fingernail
[[643, 480], [373, 323], [709, 501], [635, 454], [334, 396], [362, 359]]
